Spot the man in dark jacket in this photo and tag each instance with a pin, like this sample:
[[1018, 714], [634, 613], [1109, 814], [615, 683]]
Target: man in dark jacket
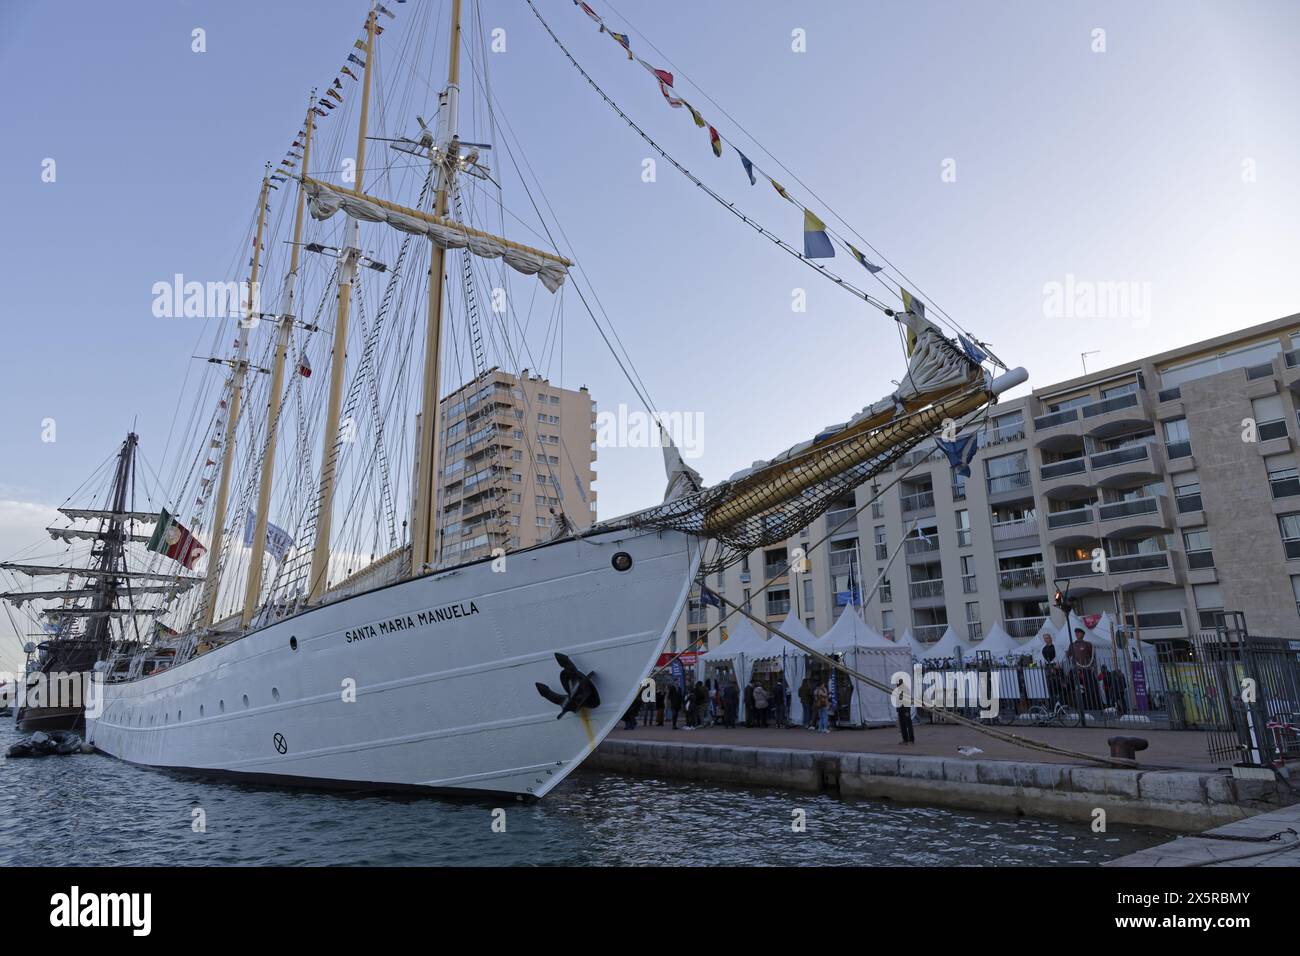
[[674, 702], [749, 703], [730, 703]]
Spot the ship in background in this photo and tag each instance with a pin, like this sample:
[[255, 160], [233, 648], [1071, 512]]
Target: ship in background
[[346, 650]]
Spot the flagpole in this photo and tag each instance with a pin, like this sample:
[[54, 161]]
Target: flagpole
[[208, 607], [286, 319], [320, 555], [867, 600]]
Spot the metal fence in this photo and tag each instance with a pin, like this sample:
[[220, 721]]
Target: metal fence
[[1242, 690]]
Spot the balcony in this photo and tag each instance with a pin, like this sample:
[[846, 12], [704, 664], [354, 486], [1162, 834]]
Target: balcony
[[928, 633], [1023, 626], [1060, 521], [1055, 419], [921, 546], [776, 570], [1074, 570], [1014, 531], [1020, 579], [842, 520], [1148, 568], [882, 552], [778, 608], [925, 590], [1123, 463], [1134, 517], [921, 501], [1010, 487], [1111, 416], [1060, 469], [1004, 433]]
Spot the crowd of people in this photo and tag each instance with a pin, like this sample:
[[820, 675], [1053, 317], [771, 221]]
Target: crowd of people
[[716, 703]]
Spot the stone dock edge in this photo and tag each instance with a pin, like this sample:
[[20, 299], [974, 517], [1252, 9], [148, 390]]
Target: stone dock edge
[[1186, 801]]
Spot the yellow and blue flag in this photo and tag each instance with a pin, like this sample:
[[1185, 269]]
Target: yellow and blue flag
[[816, 243], [863, 261]]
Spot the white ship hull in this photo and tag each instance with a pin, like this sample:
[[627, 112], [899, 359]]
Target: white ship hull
[[444, 702]]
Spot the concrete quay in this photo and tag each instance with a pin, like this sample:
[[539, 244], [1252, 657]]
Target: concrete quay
[[1186, 793]]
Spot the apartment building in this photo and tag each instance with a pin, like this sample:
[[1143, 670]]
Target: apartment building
[[518, 452], [1164, 491]]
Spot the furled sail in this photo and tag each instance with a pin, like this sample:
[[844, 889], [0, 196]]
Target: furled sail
[[67, 534], [324, 200], [18, 598], [101, 513], [49, 569]]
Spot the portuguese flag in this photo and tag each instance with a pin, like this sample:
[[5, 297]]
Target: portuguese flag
[[173, 539]]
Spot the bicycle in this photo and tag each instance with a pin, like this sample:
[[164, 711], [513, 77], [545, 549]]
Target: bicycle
[[1059, 716]]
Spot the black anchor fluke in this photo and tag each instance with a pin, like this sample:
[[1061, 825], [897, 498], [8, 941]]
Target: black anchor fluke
[[579, 688]]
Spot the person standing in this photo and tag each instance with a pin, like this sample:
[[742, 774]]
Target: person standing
[[822, 704], [674, 703], [660, 696], [905, 717], [730, 703], [806, 701], [701, 695], [749, 703], [760, 704], [780, 693]]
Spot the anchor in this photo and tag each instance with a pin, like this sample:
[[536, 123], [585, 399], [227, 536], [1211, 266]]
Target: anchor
[[579, 688]]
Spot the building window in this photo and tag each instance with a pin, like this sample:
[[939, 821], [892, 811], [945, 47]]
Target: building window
[[747, 600], [963, 529], [887, 621], [807, 595], [778, 602], [1289, 525], [882, 549], [968, 574], [1270, 418], [886, 592], [973, 627], [1283, 478], [1178, 441], [1197, 544], [1008, 472], [1188, 496]]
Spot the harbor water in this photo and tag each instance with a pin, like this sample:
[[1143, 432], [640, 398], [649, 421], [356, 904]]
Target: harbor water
[[90, 810]]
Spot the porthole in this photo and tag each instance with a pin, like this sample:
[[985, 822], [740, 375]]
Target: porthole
[[293, 643], [245, 700], [275, 693], [622, 561]]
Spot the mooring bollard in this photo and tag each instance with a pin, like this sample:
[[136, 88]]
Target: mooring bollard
[[1127, 747]]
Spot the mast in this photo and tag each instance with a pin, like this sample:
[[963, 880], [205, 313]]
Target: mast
[[111, 556], [208, 607], [424, 528], [320, 555], [286, 320]]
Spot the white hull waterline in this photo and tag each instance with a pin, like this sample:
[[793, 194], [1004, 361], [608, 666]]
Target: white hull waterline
[[444, 668]]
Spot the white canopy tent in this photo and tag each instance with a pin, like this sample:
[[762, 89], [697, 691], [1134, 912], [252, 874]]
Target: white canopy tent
[[912, 644], [998, 643], [871, 654], [946, 646]]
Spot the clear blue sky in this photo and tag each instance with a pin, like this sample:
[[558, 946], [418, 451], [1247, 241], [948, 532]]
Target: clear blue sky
[[1117, 166]]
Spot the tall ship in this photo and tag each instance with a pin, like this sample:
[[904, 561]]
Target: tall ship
[[389, 628], [105, 603]]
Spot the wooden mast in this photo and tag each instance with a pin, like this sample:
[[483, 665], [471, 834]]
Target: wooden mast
[[320, 556], [424, 525], [286, 320], [212, 583]]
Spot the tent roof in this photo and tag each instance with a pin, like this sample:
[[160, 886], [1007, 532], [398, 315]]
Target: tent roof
[[851, 631], [997, 642], [796, 629], [946, 646], [740, 634]]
